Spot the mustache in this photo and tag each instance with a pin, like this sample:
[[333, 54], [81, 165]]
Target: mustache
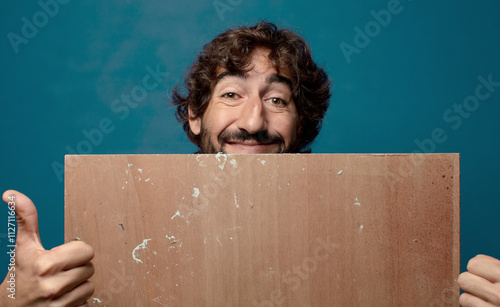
[[242, 135]]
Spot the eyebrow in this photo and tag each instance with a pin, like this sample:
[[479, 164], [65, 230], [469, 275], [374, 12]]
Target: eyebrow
[[229, 73], [273, 78]]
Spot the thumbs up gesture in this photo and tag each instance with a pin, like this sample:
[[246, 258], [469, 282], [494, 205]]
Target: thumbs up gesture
[[56, 277]]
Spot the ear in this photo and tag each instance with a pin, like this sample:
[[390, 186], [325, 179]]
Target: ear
[[194, 122]]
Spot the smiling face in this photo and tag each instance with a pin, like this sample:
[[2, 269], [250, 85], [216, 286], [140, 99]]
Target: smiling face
[[253, 112]]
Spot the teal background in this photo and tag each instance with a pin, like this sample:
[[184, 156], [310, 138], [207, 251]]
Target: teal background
[[392, 94]]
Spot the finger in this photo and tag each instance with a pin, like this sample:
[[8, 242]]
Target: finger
[[469, 300], [486, 267], [78, 296], [72, 254], [27, 218], [478, 287], [64, 282]]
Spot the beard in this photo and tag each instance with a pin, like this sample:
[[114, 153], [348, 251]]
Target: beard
[[207, 146]]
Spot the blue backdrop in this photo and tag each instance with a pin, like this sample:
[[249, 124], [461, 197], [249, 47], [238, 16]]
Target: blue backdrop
[[407, 76]]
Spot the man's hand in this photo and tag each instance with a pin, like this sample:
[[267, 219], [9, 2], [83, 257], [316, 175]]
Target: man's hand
[[481, 283], [56, 277]]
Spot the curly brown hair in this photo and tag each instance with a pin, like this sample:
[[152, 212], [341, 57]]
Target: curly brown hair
[[232, 51]]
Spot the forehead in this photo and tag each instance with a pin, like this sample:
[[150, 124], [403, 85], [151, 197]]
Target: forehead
[[260, 65]]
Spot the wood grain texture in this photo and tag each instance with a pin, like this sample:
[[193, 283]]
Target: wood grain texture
[[268, 230]]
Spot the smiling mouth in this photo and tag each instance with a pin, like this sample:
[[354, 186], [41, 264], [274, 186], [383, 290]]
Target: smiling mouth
[[249, 143], [249, 147]]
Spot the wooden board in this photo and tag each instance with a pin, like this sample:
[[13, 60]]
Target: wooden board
[[268, 230]]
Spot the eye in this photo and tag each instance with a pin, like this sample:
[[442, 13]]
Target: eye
[[230, 95], [278, 102]]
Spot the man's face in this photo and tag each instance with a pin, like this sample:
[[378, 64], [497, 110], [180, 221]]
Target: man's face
[[250, 113]]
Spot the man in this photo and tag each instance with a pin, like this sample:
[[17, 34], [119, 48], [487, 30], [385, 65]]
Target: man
[[254, 90], [251, 90]]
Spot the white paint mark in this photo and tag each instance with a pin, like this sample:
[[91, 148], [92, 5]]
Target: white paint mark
[[303, 168], [157, 300], [230, 238], [140, 170], [126, 182], [96, 300], [217, 156], [217, 238], [147, 179], [205, 240], [236, 201], [140, 246], [233, 163], [177, 213], [130, 164], [196, 192], [263, 162], [126, 171], [170, 238], [123, 188], [202, 163], [340, 172], [361, 227], [357, 203]]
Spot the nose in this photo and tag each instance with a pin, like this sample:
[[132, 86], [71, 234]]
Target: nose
[[252, 117]]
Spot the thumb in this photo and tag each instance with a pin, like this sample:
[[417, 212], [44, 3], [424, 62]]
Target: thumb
[[27, 219]]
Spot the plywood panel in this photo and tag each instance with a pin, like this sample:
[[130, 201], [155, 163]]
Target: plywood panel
[[268, 230]]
